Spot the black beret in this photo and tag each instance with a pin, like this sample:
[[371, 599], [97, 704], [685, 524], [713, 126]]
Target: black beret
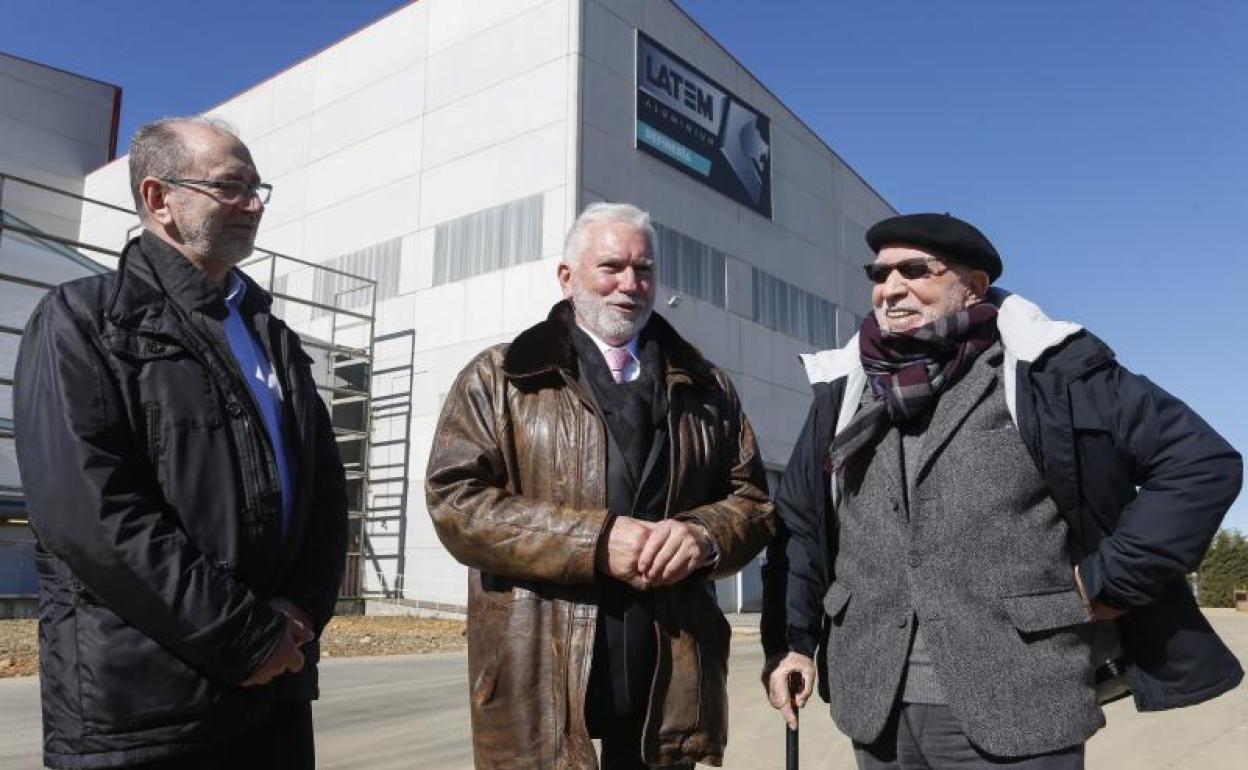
[[941, 234]]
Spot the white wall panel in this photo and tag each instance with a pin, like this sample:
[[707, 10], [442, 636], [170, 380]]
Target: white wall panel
[[283, 151], [609, 39], [703, 323], [391, 100], [555, 222], [528, 293], [358, 168], [102, 226], [440, 315], [528, 101], [853, 288], [525, 165], [375, 52], [453, 21], [271, 105], [54, 126], [609, 103], [801, 213], [288, 238], [289, 201], [482, 308], [382, 213], [805, 165], [518, 45]]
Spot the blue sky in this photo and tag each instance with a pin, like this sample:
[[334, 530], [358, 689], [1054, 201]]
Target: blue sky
[[1102, 146]]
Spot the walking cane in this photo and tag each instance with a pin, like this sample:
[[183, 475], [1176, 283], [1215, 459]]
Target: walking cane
[[790, 733]]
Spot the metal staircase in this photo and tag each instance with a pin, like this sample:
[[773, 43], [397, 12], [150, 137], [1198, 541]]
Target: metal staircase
[[386, 522], [338, 333], [339, 336]]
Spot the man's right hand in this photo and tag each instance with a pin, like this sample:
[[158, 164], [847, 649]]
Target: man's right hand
[[285, 657], [624, 544], [776, 679], [300, 624], [1100, 612]]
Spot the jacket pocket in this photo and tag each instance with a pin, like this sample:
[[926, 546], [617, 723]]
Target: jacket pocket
[[835, 601], [139, 348], [129, 682], [1038, 613]]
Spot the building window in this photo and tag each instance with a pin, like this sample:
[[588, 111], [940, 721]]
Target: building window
[[488, 240], [792, 311], [380, 262], [690, 266]]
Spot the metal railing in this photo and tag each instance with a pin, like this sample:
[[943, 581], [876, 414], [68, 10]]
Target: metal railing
[[345, 361], [345, 349]]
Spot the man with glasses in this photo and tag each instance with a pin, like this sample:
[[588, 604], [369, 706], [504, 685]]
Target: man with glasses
[[986, 523], [184, 484]]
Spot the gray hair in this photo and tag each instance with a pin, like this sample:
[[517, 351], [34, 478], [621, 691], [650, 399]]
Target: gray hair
[[157, 150], [596, 213]]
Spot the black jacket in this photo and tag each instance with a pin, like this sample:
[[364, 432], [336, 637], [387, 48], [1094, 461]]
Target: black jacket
[[1142, 481], [153, 491]]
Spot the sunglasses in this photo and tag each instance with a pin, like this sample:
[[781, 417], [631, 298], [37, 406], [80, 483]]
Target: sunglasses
[[910, 269]]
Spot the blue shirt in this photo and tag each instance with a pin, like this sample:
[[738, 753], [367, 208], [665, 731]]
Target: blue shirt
[[265, 388]]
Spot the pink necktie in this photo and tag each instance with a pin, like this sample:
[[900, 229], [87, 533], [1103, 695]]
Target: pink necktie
[[617, 359]]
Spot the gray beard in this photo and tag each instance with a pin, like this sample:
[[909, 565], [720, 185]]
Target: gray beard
[[216, 243], [596, 315]]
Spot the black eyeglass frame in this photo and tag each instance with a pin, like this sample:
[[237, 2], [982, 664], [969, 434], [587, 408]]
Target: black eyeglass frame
[[239, 191], [910, 269]]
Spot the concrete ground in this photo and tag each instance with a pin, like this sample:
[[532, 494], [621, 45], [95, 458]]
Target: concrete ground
[[412, 712]]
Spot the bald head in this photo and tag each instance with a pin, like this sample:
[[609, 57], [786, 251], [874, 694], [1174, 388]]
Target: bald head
[[166, 148]]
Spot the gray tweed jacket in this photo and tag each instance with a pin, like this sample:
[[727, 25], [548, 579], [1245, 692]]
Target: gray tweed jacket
[[977, 552]]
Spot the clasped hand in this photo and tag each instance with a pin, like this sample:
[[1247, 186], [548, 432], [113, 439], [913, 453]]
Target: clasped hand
[[647, 554], [286, 657]]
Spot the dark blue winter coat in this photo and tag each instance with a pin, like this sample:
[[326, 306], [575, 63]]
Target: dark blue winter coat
[[1141, 479]]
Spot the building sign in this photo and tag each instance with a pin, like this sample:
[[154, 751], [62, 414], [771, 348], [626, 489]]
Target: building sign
[[688, 121]]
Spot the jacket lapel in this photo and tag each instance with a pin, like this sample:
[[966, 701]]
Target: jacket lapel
[[888, 456], [649, 477], [955, 404]]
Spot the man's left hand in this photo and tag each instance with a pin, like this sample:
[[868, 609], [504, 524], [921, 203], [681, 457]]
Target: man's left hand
[[674, 550]]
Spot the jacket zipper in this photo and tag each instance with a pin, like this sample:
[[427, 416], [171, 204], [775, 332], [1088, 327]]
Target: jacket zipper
[[252, 470]]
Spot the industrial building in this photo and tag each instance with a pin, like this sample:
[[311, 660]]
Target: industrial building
[[425, 170]]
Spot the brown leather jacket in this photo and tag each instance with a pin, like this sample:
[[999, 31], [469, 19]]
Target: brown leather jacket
[[516, 486]]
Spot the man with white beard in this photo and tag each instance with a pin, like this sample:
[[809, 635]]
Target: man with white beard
[[597, 474]]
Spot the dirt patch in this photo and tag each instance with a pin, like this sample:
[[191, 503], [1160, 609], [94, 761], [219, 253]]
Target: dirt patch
[[344, 637], [358, 636], [19, 647]]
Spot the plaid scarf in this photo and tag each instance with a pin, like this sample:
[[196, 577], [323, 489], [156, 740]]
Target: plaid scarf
[[906, 371]]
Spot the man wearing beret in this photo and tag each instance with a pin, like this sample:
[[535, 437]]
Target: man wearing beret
[[986, 523]]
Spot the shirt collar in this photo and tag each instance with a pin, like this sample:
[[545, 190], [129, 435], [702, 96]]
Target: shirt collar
[[630, 346], [235, 289]]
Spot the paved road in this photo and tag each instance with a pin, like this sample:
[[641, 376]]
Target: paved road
[[412, 712]]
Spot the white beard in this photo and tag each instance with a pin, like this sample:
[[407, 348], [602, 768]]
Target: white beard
[[598, 315], [959, 298]]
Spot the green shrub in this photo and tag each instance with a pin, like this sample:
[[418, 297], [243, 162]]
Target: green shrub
[[1224, 568]]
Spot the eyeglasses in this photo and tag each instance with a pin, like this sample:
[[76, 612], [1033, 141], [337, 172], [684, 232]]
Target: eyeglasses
[[910, 269], [228, 191]]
